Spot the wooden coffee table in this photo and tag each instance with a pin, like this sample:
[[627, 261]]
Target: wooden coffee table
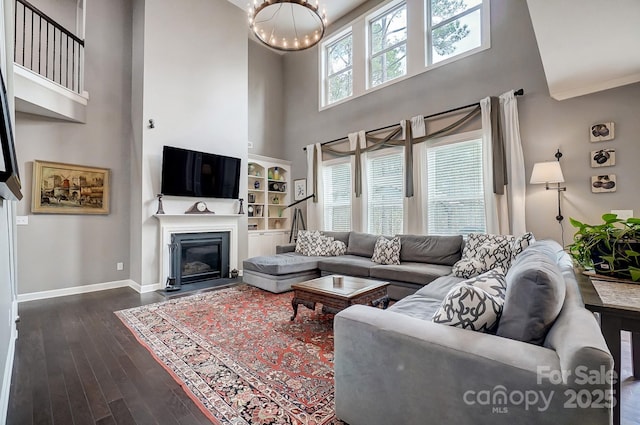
[[353, 290]]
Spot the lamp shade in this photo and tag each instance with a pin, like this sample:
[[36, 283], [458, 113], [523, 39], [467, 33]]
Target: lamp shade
[[547, 172]]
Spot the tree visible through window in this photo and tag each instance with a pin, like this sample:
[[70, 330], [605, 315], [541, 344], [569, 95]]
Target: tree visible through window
[[388, 45], [456, 26], [339, 60]]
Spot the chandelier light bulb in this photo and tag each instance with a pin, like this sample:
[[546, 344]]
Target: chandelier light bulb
[[283, 24]]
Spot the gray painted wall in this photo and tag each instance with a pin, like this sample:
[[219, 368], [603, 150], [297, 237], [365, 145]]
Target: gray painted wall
[[60, 251], [266, 107], [62, 11], [195, 89], [512, 62]]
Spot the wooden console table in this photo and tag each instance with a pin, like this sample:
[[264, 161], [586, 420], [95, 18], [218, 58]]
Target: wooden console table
[[615, 316]]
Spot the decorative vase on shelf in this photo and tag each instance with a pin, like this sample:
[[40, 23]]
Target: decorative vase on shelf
[[256, 184], [276, 173], [270, 174], [252, 169]]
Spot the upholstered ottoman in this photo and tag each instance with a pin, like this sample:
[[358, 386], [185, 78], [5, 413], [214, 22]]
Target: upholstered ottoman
[[276, 273]]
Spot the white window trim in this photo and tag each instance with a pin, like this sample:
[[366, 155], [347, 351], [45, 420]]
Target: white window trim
[[416, 49], [424, 175], [379, 12], [324, 71]]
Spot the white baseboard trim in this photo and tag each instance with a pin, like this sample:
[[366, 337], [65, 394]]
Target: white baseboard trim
[[76, 290], [143, 289], [8, 367]]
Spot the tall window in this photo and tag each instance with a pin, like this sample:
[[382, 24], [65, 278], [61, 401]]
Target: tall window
[[455, 195], [399, 39], [385, 187], [388, 38], [337, 196], [339, 69], [455, 26]]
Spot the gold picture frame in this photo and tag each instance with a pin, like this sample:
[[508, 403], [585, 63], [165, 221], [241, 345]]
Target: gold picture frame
[[60, 188]]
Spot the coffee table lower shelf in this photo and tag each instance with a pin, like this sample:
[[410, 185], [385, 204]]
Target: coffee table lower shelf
[[352, 291]]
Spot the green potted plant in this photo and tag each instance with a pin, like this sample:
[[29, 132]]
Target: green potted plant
[[611, 248]]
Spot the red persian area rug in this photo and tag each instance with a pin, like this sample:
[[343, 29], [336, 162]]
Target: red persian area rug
[[240, 357]]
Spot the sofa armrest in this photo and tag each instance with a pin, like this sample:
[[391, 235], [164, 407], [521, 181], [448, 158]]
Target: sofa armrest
[[281, 249], [388, 365]]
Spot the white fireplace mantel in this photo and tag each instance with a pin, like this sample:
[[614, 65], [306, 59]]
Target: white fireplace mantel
[[195, 223]]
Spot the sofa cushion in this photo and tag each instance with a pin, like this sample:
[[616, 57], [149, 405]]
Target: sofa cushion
[[420, 273], [280, 264], [417, 306], [444, 250], [352, 265], [535, 294], [439, 288], [338, 236], [361, 244], [386, 251], [469, 307]]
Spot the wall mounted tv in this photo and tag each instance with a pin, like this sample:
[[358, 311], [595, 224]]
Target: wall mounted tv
[[199, 174], [10, 187]]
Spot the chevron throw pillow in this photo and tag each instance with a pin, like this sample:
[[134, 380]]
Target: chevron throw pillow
[[386, 251]]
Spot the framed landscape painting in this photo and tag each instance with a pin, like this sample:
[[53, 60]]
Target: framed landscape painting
[[69, 189]]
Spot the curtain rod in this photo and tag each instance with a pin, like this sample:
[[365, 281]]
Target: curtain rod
[[518, 92]]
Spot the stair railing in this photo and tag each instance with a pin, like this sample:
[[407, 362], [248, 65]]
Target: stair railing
[[47, 48]]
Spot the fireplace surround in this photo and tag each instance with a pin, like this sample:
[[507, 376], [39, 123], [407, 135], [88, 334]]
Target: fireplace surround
[[171, 224]]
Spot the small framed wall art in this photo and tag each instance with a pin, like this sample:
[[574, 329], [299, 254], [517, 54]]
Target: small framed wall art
[[603, 158], [69, 189], [299, 189], [603, 183], [602, 132]]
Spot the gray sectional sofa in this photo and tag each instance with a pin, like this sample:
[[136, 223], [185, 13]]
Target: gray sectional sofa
[[397, 366], [422, 260]]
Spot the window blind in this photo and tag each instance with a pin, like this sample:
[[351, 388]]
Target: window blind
[[385, 185], [455, 200], [337, 197]]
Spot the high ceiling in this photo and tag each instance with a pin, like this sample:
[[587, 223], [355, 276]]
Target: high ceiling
[[587, 45], [335, 8]]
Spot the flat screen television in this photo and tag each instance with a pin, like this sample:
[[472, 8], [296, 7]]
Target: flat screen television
[[199, 174], [10, 187]]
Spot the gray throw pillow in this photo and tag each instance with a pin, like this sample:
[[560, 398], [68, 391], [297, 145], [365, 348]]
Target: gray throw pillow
[[535, 294], [361, 244]]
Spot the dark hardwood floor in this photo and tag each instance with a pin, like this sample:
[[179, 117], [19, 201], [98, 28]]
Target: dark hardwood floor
[[77, 364]]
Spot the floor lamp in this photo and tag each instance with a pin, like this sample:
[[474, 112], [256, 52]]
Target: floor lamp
[[297, 222]]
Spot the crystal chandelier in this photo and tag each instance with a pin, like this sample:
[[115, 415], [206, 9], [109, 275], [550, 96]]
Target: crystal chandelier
[[287, 25]]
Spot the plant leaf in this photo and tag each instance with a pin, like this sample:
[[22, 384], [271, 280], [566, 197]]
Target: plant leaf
[[575, 223], [632, 253], [610, 218], [635, 273]]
